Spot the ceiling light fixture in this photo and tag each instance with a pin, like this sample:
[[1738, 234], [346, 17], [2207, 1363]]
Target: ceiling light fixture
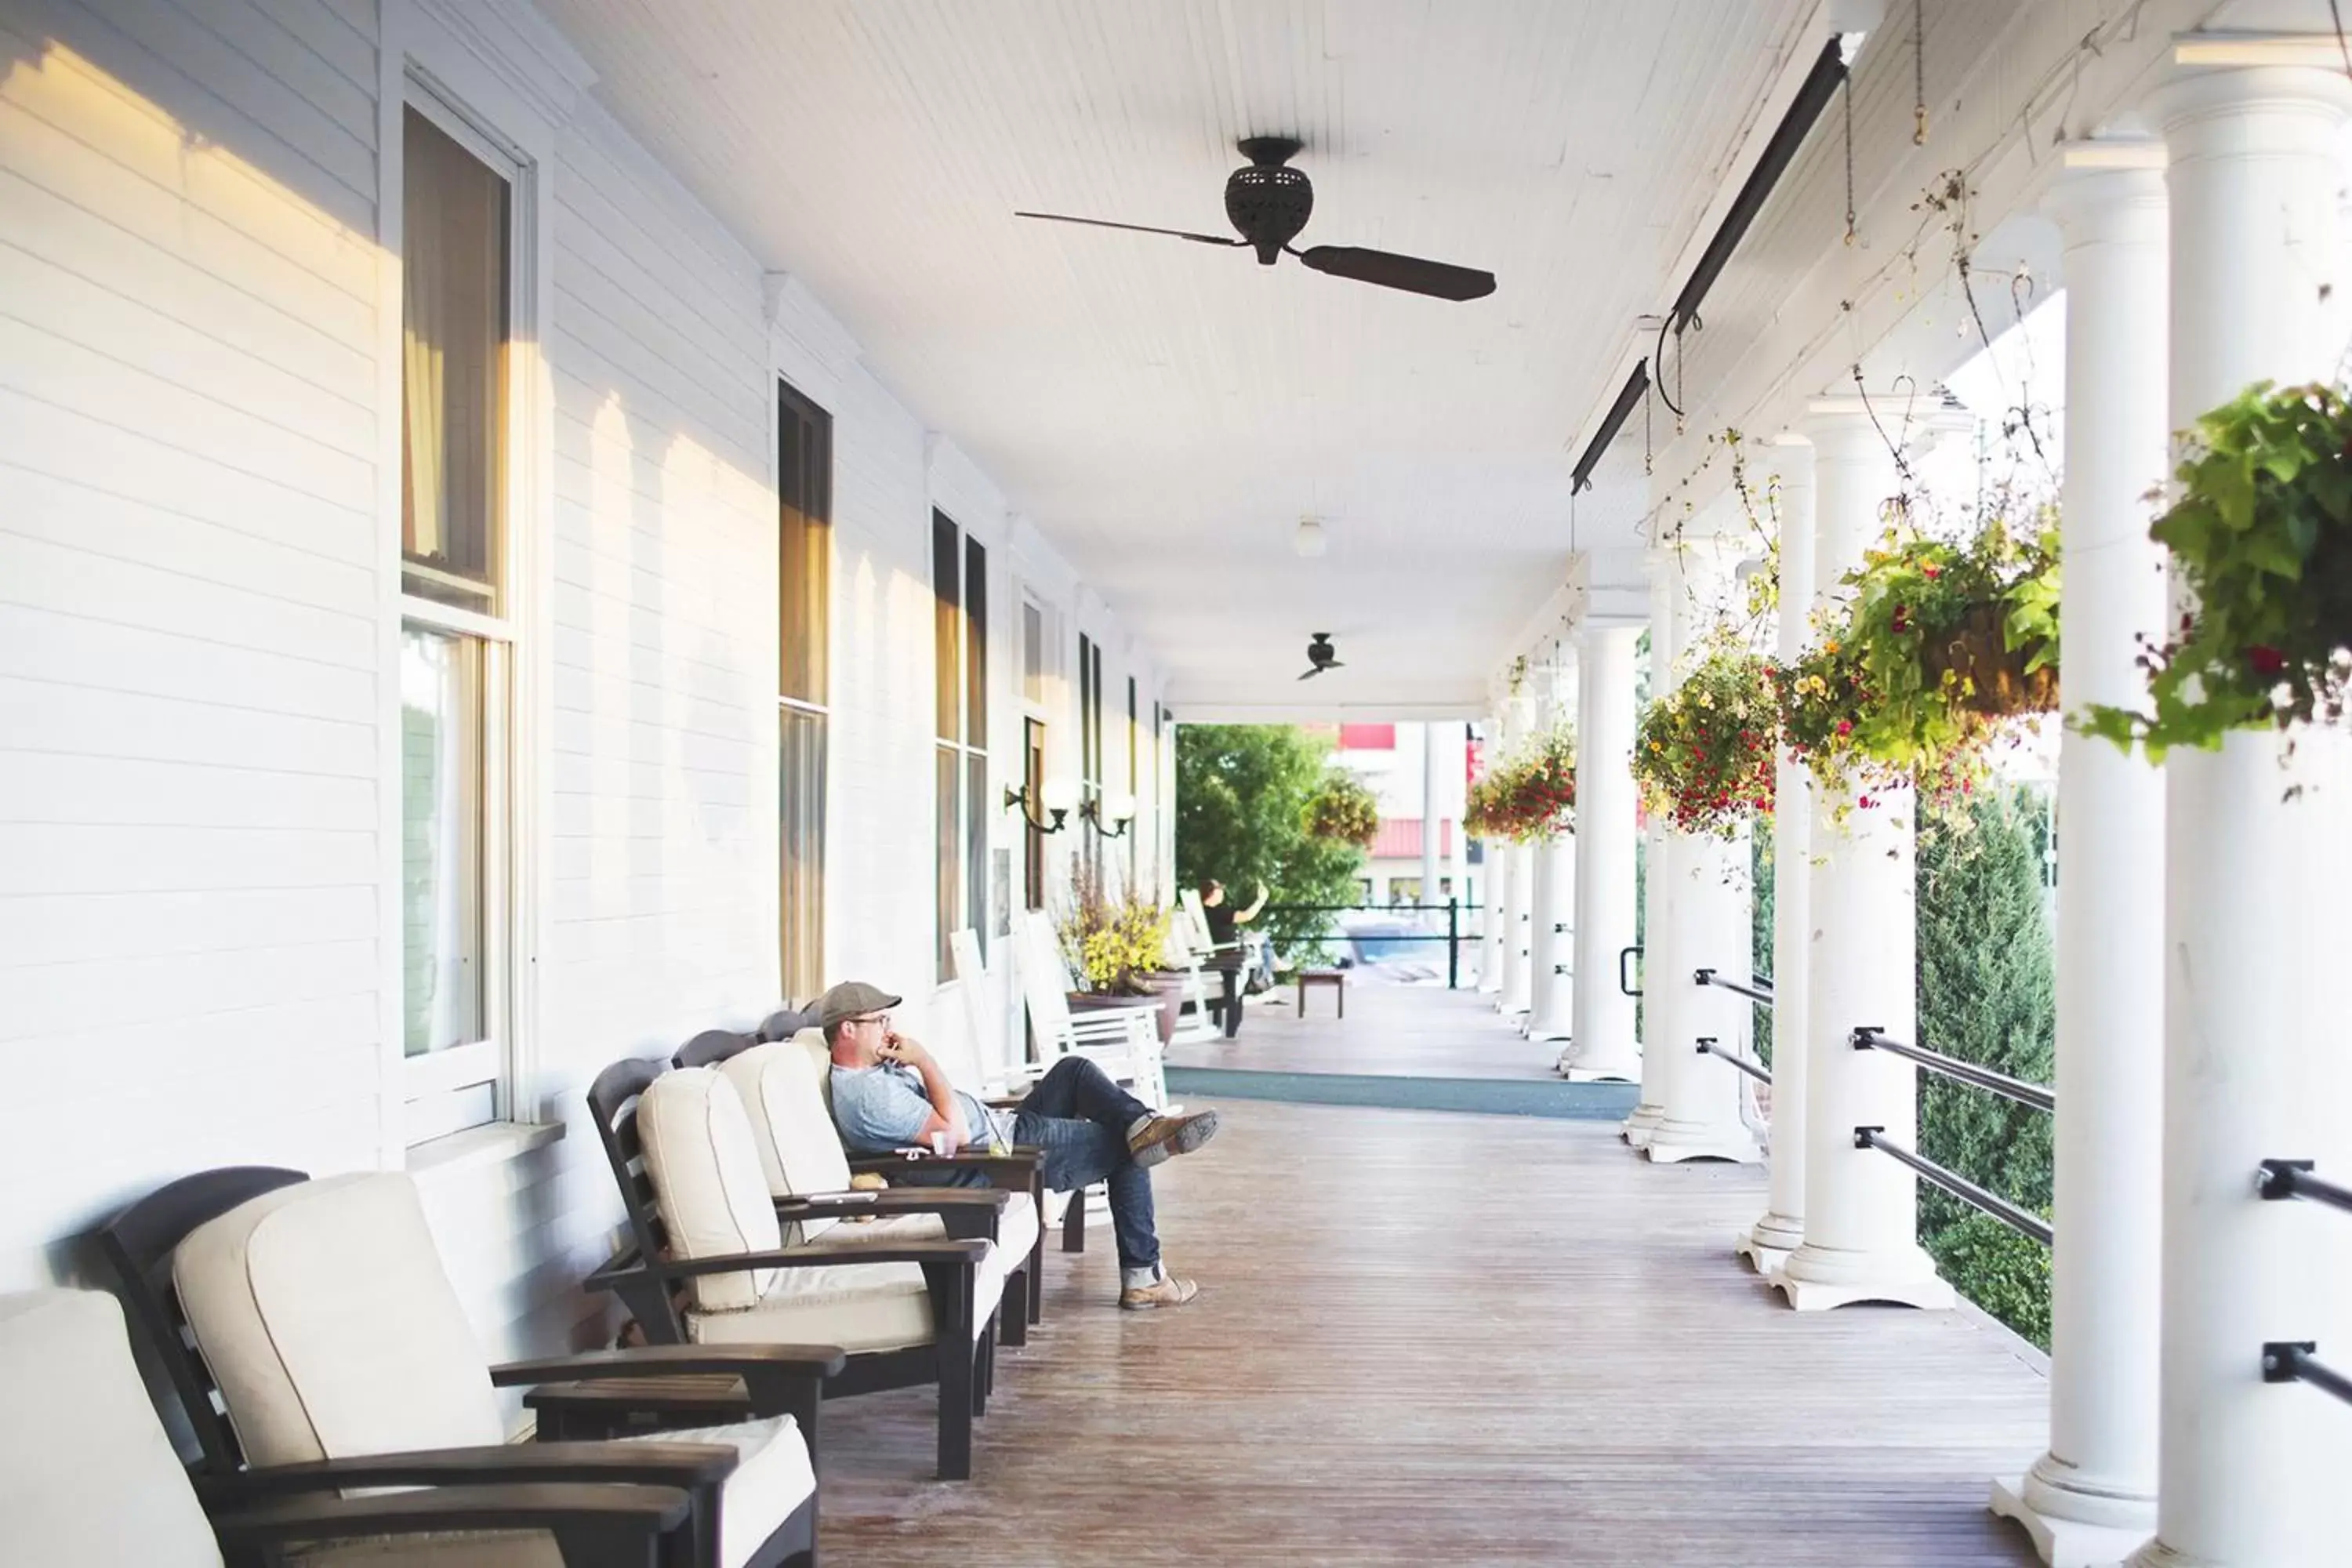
[[1310, 541]]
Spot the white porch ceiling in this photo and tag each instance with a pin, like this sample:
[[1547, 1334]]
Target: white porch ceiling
[[1166, 412]]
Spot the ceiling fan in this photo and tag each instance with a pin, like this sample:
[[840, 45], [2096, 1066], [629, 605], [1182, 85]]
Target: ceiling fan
[[1267, 202], [1321, 656]]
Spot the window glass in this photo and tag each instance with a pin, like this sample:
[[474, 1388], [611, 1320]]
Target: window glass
[[442, 799], [456, 213]]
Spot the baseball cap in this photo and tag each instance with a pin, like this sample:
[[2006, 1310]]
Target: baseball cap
[[851, 999]]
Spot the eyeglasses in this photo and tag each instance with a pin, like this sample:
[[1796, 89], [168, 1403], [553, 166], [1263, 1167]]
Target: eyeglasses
[[881, 1018]]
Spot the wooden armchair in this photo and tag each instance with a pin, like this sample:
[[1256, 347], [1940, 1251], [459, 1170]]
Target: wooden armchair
[[91, 1479], [707, 1264], [314, 1342]]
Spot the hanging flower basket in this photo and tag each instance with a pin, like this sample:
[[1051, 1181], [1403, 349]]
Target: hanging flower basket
[[1941, 647], [2261, 537], [1345, 812], [1531, 798], [1705, 753]]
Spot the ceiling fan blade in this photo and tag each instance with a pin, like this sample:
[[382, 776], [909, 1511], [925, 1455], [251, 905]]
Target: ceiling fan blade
[[1389, 270], [1135, 228], [1312, 673]]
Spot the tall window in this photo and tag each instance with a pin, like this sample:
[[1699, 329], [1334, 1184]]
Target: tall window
[[805, 584], [1033, 842], [456, 645], [960, 627], [1134, 784], [1090, 745]]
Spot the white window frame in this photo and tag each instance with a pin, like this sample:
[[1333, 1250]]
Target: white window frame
[[502, 107], [965, 747]]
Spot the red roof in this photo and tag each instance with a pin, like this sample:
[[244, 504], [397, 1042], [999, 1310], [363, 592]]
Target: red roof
[[1400, 839], [1368, 737]]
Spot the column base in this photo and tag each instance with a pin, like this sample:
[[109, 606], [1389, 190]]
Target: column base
[[1821, 1278], [1672, 1141], [2157, 1554], [1549, 1030], [1766, 1244], [1638, 1127], [2072, 1542]]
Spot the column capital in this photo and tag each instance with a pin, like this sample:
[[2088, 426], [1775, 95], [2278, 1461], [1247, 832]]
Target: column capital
[[2239, 110], [2109, 191]]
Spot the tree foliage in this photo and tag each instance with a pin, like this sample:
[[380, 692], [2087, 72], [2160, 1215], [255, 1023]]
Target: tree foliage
[[1243, 797], [1988, 993]]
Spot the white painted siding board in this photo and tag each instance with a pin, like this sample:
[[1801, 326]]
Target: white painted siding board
[[58, 857], [57, 645], [132, 267], [342, 33], [92, 720], [276, 41], [158, 60], [46, 787], [89, 928], [120, 989], [98, 456]]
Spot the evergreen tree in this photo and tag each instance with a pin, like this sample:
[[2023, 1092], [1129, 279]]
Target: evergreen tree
[[1987, 993]]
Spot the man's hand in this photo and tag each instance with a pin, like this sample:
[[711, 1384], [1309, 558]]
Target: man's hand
[[899, 1048]]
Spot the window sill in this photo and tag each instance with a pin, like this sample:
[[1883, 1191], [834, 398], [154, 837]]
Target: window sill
[[491, 1144]]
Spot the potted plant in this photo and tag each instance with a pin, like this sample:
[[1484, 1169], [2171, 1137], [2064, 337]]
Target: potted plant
[[1705, 753], [1940, 647], [1116, 947], [2261, 536]]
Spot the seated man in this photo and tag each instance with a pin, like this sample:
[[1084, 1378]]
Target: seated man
[[889, 1093]]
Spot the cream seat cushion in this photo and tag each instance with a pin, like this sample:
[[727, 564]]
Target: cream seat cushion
[[332, 1331], [713, 1198], [88, 1478]]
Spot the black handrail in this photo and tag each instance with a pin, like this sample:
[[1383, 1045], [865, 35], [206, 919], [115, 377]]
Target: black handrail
[[2294, 1179], [2291, 1361], [1709, 1047], [1625, 978], [1452, 909], [1764, 995], [2033, 1094], [1959, 1187]]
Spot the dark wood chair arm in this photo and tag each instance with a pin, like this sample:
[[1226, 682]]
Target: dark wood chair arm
[[673, 1360], [1016, 1169], [821, 1255], [594, 1526], [891, 1200], [683, 1465]]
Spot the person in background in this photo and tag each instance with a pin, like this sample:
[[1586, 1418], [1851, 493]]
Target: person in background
[[889, 1093], [1225, 954]]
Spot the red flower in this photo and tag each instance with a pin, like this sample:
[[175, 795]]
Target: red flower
[[1931, 571], [2266, 661], [1845, 726]]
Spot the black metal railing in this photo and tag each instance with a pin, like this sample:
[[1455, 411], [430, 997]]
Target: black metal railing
[[1758, 991], [2033, 1094], [1976, 1076], [1452, 908], [1959, 1187], [1709, 1046], [2295, 1360]]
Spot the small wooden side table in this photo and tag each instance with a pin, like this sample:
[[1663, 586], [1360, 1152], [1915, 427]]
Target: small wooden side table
[[1337, 979]]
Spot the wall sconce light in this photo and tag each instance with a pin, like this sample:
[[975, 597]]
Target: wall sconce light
[[1118, 808], [1060, 796]]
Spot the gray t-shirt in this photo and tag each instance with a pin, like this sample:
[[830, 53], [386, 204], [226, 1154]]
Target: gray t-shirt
[[882, 1107]]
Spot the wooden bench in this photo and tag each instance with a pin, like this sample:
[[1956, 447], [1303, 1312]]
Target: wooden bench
[[1337, 979]]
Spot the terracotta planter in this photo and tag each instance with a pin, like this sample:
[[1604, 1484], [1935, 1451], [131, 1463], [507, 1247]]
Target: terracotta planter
[[1976, 652]]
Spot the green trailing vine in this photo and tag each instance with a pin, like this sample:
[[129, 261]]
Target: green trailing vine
[[2261, 536]]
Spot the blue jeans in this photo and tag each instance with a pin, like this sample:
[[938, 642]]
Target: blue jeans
[[1079, 1118]]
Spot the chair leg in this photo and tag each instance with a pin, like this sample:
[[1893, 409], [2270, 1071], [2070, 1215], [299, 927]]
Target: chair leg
[[958, 1395], [1074, 1222], [1013, 1315], [983, 1369]]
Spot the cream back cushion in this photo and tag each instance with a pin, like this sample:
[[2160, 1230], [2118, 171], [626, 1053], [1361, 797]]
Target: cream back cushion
[[325, 1316], [704, 1162], [800, 1150], [87, 1475]]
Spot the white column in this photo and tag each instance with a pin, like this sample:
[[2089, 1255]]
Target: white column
[[1519, 886], [1861, 1207], [1495, 882], [1457, 854], [2092, 1497], [2251, 1474], [1657, 933], [1789, 480], [1711, 914], [1551, 951], [1602, 1013], [1429, 817]]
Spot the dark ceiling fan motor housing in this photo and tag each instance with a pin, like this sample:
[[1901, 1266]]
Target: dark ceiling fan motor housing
[[1266, 201]]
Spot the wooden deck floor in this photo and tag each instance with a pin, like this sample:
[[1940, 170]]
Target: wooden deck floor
[[1405, 1031], [1442, 1339]]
